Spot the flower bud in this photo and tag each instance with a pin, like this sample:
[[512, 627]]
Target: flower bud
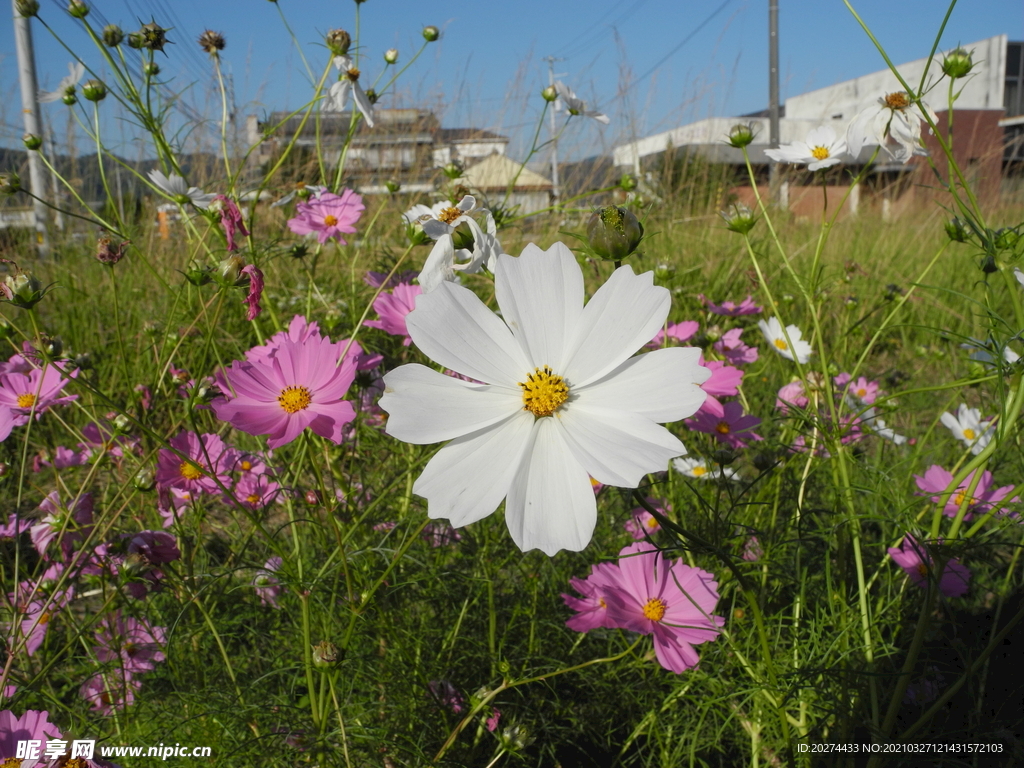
[[107, 252], [957, 230], [9, 183], [664, 271], [452, 170], [230, 269], [764, 461], [741, 135], [325, 654], [144, 480], [32, 141], [988, 264], [122, 423], [198, 275], [1006, 239], [23, 289], [391, 55], [549, 93], [958, 63], [431, 34], [392, 186], [338, 41], [414, 231], [27, 8], [312, 498], [627, 182], [83, 361], [739, 219], [94, 90], [112, 35], [371, 95], [136, 40], [299, 251], [211, 41], [78, 9], [614, 232], [69, 98], [151, 69], [154, 37]]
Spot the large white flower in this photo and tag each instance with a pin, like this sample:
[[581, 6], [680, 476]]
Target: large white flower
[[821, 149], [337, 96], [577, 106], [969, 427], [176, 187], [561, 400], [445, 259], [66, 87], [800, 350], [893, 124]]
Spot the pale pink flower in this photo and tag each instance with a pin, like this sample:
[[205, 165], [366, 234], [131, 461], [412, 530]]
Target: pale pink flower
[[328, 215], [35, 393], [592, 608], [734, 350], [936, 480], [393, 308], [678, 332], [730, 308]]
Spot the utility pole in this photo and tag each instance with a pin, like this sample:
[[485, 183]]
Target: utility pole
[[30, 113], [774, 186], [58, 217], [555, 191]]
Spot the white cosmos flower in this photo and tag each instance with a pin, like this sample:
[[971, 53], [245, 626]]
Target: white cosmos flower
[[702, 470], [337, 96], [561, 400], [772, 330], [1019, 275], [876, 424], [577, 106], [176, 187], [983, 352], [421, 212], [893, 124], [821, 149], [445, 259], [968, 426], [66, 86]]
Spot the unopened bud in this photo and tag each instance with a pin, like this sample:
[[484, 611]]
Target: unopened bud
[[83, 361], [957, 230], [69, 98], [371, 95], [414, 231], [739, 219], [452, 170], [958, 63], [198, 275], [112, 35], [10, 183], [299, 251], [32, 141], [338, 41], [122, 423], [391, 55], [136, 40], [51, 346], [231, 268], [1006, 239], [27, 8], [664, 271], [78, 9], [741, 135], [94, 90], [627, 182], [151, 69], [325, 654], [614, 232], [392, 186], [144, 480], [431, 34], [23, 289], [312, 498], [549, 93]]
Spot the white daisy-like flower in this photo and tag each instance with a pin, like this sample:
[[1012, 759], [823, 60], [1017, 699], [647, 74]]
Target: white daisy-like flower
[[969, 427], [821, 149], [421, 212], [703, 470], [983, 352], [577, 106], [66, 87], [1019, 275], [445, 259], [800, 351], [892, 124], [176, 187], [561, 400], [337, 96], [876, 424]]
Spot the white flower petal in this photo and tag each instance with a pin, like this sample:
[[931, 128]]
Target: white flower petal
[[453, 327], [617, 447], [541, 298], [551, 504], [425, 406], [468, 478], [439, 265], [622, 316], [363, 102], [662, 386]]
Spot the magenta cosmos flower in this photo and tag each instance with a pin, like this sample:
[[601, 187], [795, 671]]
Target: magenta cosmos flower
[[732, 428], [913, 558], [31, 726], [734, 350], [302, 385], [24, 394], [724, 382], [392, 309], [328, 215], [130, 644], [731, 308], [670, 600], [208, 460], [936, 480], [592, 608]]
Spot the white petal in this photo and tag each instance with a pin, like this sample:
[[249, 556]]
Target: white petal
[[453, 327], [551, 504], [822, 136], [425, 406], [468, 478], [363, 102], [662, 386], [617, 447], [541, 298], [623, 315], [438, 266]]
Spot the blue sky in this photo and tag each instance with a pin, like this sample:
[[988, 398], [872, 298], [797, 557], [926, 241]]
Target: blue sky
[[488, 67]]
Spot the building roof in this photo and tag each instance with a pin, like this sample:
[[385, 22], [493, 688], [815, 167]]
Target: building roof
[[451, 135], [496, 172]]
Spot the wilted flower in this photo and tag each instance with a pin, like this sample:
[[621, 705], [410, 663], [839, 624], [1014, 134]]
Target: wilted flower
[[252, 299], [109, 253], [211, 42], [338, 94], [154, 37]]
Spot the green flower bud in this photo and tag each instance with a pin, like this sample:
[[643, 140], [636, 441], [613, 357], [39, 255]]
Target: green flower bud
[[94, 90], [136, 40], [452, 170], [78, 9], [27, 8], [957, 64], [145, 479], [739, 219], [614, 232], [112, 35], [664, 271], [154, 37], [23, 289], [1006, 239], [391, 55], [51, 346], [431, 34], [392, 186], [627, 182], [198, 275], [9, 183], [298, 251], [69, 98], [549, 93], [151, 69], [230, 269], [741, 135], [957, 230], [371, 95], [32, 141], [414, 231], [988, 264], [713, 333], [325, 654], [83, 361], [338, 41]]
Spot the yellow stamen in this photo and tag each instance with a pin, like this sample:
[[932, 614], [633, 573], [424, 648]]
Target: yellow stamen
[[448, 215], [246, 466], [544, 392], [653, 523], [968, 434], [897, 100], [26, 400], [11, 762], [922, 569], [654, 609], [722, 428], [190, 471], [330, 221], [698, 471], [295, 399], [353, 74], [820, 153], [252, 498], [862, 392], [781, 344]]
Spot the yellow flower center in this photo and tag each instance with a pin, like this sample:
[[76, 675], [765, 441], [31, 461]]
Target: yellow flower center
[[922, 569], [654, 609], [190, 471], [252, 498], [652, 523], [330, 221], [353, 74], [11, 762], [959, 496], [544, 392], [820, 153], [722, 428], [246, 466], [698, 471], [601, 602], [295, 399], [26, 400], [862, 392], [968, 434], [897, 100], [781, 344], [76, 762], [448, 215]]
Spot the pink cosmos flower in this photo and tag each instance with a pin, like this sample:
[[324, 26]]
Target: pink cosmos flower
[[377, 279], [131, 644], [208, 460], [268, 586], [35, 392], [230, 219], [155, 547], [734, 350], [864, 390], [31, 726], [642, 523], [392, 309], [679, 332], [791, 394], [492, 721], [256, 491], [447, 695], [724, 382], [669, 600], [732, 428], [440, 534], [110, 691], [252, 300], [328, 215], [302, 385], [913, 558], [67, 525], [592, 608], [62, 458], [17, 364], [752, 550], [936, 480], [731, 309], [32, 611]]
